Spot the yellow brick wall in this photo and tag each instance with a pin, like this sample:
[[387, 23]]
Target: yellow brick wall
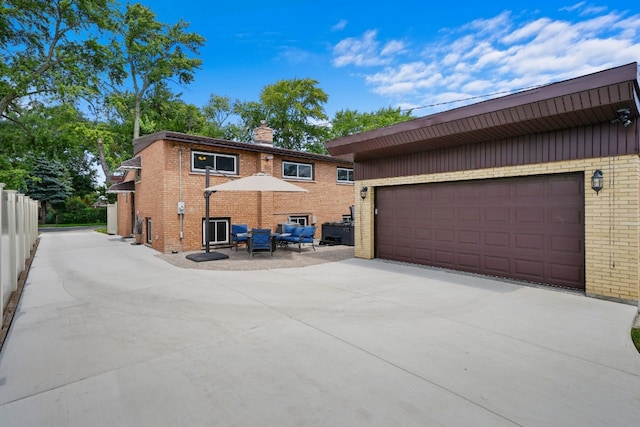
[[612, 232]]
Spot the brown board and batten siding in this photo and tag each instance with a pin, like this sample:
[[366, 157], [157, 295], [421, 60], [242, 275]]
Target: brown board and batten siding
[[570, 144]]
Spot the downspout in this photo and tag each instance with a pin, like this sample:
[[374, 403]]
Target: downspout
[[180, 201]]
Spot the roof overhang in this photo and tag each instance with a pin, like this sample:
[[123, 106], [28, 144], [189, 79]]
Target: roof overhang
[[122, 187], [143, 142], [583, 101], [131, 164]]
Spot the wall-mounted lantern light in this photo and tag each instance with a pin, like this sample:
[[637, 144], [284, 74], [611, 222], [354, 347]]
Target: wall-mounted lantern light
[[363, 192], [597, 181]]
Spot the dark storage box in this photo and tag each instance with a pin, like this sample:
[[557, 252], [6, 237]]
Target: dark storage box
[[338, 233]]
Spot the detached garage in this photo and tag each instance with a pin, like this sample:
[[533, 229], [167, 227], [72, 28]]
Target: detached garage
[[504, 187]]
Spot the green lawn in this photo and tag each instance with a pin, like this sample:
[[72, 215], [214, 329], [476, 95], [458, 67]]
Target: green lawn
[[635, 336]]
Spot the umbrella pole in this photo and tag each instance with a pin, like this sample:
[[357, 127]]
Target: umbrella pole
[[207, 194]]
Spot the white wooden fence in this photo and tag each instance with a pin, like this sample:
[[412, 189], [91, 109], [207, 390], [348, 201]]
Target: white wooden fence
[[18, 235]]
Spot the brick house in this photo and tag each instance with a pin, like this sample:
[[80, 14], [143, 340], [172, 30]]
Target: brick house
[[165, 180], [504, 187]]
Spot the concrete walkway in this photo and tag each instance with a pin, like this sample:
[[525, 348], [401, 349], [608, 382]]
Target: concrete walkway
[[110, 334]]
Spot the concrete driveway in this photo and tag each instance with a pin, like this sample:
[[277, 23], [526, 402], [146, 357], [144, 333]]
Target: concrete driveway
[[110, 334]]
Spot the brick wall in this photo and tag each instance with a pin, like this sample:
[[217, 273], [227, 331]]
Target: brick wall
[[162, 186], [612, 231]]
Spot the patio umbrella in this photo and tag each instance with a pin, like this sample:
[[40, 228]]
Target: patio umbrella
[[257, 182]]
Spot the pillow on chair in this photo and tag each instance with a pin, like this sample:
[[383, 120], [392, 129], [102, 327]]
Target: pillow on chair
[[309, 231], [297, 231]]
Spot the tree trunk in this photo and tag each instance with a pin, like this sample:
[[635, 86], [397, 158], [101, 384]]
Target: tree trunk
[[43, 210], [103, 162], [136, 119]]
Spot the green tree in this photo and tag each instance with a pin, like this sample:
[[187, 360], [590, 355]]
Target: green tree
[[217, 113], [292, 108], [39, 128], [154, 53], [349, 122], [49, 183], [50, 49]]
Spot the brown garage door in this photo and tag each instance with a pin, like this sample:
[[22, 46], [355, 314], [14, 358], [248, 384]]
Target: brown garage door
[[523, 228]]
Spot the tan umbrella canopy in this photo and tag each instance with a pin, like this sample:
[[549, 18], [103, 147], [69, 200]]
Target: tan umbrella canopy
[[257, 182]]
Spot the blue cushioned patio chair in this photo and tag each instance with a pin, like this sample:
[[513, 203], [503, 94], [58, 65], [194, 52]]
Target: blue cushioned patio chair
[[239, 234], [301, 235], [260, 241]]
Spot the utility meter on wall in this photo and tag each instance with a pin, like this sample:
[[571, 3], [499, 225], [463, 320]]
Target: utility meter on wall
[[180, 208]]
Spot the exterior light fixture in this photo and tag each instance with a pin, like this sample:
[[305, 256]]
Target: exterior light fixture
[[622, 116], [363, 192], [597, 181]]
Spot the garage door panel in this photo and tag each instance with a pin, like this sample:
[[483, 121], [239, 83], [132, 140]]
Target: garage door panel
[[445, 236], [404, 252], [470, 237], [497, 215], [566, 244], [499, 190], [529, 215], [528, 268], [470, 213], [497, 265], [567, 216], [499, 240], [443, 214], [403, 233], [530, 189], [565, 273], [529, 242], [528, 228], [424, 256], [471, 261], [445, 258], [421, 234], [566, 188]]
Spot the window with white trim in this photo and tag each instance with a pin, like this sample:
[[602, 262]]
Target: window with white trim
[[297, 170], [225, 163], [218, 231], [345, 175], [302, 220]]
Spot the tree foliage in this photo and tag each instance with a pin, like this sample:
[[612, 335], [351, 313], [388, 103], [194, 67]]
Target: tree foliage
[[349, 122], [49, 183], [51, 49], [54, 54], [155, 52], [292, 109]]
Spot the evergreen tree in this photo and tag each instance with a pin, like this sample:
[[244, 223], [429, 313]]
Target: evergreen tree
[[49, 183]]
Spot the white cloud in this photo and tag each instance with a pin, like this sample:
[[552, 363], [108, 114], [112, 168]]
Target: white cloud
[[489, 56], [365, 51], [340, 25]]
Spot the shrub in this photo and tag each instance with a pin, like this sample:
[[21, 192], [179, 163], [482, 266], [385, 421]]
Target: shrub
[[84, 216]]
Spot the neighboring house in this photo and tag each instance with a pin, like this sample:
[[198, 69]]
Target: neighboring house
[[504, 187], [165, 182]]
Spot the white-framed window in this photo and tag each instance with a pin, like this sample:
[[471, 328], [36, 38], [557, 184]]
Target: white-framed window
[[297, 170], [225, 163], [300, 219], [345, 175], [218, 231]]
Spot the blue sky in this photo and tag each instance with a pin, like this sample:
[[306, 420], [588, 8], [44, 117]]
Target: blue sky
[[374, 54]]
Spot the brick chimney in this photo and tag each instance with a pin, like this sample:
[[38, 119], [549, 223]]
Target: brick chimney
[[263, 134]]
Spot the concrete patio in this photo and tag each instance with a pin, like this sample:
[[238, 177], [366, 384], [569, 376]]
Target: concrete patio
[[111, 334]]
